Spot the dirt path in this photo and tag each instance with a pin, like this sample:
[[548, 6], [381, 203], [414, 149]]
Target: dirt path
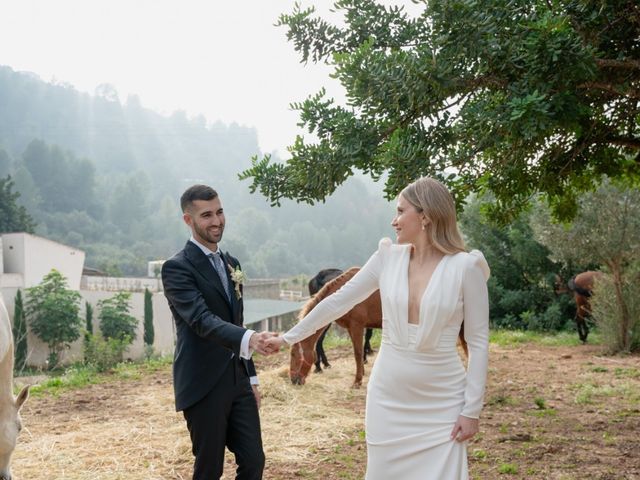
[[552, 413]]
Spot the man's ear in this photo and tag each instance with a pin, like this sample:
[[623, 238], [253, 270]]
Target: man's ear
[[187, 218]]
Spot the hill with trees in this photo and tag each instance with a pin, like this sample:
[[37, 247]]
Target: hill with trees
[[105, 176]]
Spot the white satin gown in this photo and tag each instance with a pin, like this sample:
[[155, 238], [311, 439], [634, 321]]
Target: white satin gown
[[418, 386]]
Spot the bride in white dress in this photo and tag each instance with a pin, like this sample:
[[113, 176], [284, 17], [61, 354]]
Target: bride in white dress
[[422, 406]]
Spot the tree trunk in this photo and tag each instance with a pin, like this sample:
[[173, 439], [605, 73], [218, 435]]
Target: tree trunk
[[624, 339]]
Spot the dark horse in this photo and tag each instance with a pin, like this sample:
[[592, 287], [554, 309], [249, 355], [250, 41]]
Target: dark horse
[[582, 287], [315, 284], [367, 314]]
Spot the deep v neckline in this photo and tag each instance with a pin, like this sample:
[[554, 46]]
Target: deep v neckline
[[426, 288]]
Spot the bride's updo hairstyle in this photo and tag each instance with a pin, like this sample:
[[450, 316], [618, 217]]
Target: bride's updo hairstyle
[[432, 198]]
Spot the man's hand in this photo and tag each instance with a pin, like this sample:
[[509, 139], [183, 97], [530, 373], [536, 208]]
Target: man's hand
[[258, 343], [274, 343], [256, 393]]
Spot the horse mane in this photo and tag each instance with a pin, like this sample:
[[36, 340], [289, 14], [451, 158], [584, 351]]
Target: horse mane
[[328, 288]]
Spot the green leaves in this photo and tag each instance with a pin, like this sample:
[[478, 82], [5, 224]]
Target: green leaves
[[53, 313], [515, 96], [13, 217], [115, 320]]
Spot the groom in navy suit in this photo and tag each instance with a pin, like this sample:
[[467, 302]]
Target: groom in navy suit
[[214, 378]]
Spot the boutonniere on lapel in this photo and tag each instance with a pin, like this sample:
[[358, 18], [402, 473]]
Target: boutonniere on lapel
[[238, 278]]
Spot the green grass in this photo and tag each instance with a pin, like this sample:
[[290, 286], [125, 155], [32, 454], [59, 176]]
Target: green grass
[[540, 403], [333, 340], [509, 468], [479, 454], [507, 338], [591, 392], [501, 399], [630, 372], [79, 376]]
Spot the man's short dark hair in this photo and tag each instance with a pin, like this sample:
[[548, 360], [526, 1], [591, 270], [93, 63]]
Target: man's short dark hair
[[196, 192]]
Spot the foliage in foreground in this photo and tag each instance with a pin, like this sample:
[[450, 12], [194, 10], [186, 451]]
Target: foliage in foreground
[[515, 96]]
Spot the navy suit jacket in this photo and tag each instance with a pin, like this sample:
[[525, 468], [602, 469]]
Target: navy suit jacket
[[208, 324]]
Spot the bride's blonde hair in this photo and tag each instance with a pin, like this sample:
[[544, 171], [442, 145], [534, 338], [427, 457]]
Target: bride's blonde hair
[[432, 198]]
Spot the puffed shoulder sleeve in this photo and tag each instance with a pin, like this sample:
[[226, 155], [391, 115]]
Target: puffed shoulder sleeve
[[356, 290], [476, 330]]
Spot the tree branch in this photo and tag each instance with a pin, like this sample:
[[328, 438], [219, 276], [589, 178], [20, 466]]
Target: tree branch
[[622, 64], [631, 142], [608, 87]]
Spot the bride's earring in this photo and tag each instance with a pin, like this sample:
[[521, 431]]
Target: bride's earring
[[424, 227]]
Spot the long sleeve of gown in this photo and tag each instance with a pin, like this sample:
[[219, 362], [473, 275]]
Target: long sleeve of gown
[[356, 290], [476, 333]]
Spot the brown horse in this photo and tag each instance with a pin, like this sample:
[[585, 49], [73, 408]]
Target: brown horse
[[367, 314], [582, 287], [315, 284]]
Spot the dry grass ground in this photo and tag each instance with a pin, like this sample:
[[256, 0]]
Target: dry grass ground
[[552, 413]]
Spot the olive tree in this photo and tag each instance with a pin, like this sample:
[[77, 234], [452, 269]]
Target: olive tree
[[606, 232]]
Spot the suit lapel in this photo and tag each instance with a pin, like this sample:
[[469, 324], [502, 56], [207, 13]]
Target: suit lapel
[[203, 265]]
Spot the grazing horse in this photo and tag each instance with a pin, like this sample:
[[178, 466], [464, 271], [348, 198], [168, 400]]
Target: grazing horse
[[582, 287], [315, 284], [10, 422], [367, 314]]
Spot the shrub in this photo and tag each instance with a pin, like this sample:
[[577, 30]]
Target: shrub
[[104, 354], [115, 320], [52, 310]]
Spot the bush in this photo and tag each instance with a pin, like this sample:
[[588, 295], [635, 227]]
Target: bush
[[52, 310], [104, 354], [521, 286], [607, 311], [115, 320]]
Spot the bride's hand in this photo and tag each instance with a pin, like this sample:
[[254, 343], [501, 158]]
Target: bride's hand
[[274, 344], [465, 428]]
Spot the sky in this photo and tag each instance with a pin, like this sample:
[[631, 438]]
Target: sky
[[224, 60]]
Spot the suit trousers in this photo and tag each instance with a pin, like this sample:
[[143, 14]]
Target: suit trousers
[[227, 417]]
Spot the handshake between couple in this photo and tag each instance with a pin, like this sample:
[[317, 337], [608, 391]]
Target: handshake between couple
[[266, 343]]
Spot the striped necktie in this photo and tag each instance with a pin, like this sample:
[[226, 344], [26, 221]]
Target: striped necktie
[[218, 264]]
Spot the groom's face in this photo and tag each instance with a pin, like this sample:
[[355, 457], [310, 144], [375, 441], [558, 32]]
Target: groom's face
[[206, 220]]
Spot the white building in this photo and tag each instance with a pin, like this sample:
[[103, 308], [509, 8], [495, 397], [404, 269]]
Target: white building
[[26, 259]]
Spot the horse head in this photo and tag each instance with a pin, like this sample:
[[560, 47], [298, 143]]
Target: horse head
[[302, 357], [10, 426]]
